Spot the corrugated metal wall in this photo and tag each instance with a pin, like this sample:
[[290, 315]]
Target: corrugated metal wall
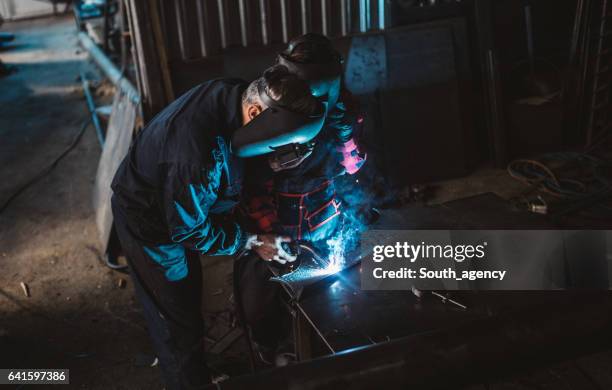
[[195, 29], [179, 43]]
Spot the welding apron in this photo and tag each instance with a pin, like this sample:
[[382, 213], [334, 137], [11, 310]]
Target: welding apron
[[309, 216]]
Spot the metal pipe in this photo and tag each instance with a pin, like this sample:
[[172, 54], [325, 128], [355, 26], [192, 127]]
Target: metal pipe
[[201, 18], [123, 40], [324, 18], [106, 31], [349, 15], [91, 106], [263, 11], [381, 15], [472, 352], [305, 15], [243, 23], [109, 69], [222, 29], [179, 7], [284, 21], [343, 17], [129, 8], [364, 15], [368, 14]]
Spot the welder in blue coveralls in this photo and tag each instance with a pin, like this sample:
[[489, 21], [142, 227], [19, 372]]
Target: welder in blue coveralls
[[292, 191], [175, 192]]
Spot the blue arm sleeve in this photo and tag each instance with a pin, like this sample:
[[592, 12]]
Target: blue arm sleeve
[[189, 194]]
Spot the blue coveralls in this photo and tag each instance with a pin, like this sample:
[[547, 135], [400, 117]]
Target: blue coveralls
[[174, 194]]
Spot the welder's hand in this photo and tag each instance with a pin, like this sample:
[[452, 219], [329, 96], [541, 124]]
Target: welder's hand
[[270, 248], [352, 159]]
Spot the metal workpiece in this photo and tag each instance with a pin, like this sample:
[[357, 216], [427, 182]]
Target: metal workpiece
[[308, 272], [311, 268], [457, 355]]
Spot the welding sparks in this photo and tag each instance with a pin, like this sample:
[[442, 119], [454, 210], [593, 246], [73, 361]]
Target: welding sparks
[[344, 241], [337, 246], [328, 257], [336, 249]]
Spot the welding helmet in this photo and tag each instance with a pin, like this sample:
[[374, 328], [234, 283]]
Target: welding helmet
[[279, 129], [313, 58]]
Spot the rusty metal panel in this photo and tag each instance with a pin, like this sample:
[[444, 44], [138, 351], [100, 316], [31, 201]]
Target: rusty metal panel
[[366, 68]]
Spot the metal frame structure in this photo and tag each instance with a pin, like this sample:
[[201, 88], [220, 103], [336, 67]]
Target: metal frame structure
[[468, 353]]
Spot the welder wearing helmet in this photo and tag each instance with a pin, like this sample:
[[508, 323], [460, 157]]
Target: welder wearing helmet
[[291, 191], [175, 192]]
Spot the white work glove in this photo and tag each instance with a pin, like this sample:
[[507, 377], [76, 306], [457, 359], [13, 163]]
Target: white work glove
[[270, 248]]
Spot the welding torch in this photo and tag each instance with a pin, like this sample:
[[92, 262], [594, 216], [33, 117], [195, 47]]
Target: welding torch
[[298, 247]]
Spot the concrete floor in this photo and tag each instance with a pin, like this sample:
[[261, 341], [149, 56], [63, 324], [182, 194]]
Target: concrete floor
[[76, 317]]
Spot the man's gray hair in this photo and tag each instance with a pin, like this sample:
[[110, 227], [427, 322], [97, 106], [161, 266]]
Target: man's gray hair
[[251, 94], [283, 87]]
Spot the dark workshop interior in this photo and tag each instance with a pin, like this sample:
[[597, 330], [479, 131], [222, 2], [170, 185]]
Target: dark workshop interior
[[481, 115]]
